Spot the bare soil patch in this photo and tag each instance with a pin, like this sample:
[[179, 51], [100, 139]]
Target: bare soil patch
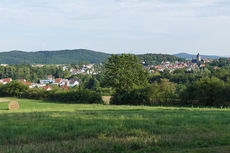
[[4, 100]]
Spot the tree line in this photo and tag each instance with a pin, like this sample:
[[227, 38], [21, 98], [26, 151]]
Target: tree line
[[74, 95], [155, 59], [32, 74], [124, 78], [53, 57], [134, 85]]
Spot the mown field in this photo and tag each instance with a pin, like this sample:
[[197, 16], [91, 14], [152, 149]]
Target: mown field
[[41, 126]]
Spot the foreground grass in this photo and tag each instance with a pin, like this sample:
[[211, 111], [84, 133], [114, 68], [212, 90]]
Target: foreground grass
[[41, 126]]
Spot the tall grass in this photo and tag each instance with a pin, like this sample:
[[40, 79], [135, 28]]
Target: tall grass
[[43, 126]]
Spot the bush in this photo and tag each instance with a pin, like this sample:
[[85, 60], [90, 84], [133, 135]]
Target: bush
[[18, 89], [36, 93], [206, 91], [81, 96], [104, 91], [14, 88], [75, 96], [157, 93]]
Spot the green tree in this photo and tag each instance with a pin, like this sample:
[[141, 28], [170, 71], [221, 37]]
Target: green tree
[[34, 77], [209, 90], [92, 83], [167, 90], [124, 73], [206, 91], [14, 88]]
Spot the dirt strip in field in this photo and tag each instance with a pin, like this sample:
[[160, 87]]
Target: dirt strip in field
[[5, 100]]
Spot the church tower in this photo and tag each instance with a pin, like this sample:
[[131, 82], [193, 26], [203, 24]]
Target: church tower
[[198, 57]]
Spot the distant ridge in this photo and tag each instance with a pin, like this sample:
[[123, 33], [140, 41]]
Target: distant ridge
[[154, 59], [74, 56], [192, 56]]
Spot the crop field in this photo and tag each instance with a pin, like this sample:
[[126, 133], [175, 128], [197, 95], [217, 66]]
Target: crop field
[[47, 127]]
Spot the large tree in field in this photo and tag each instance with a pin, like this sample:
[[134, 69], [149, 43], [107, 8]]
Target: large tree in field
[[124, 73]]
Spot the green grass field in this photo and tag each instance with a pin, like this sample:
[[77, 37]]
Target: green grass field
[[41, 126]]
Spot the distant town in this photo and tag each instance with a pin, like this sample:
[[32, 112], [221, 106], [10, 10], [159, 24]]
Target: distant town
[[189, 65], [50, 81]]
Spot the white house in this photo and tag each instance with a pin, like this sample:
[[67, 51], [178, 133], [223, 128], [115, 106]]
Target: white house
[[5, 81], [74, 82]]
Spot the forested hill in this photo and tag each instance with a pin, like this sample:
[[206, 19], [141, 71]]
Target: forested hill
[[53, 57], [153, 59], [73, 57], [193, 56]]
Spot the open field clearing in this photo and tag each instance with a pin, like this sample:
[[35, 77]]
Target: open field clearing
[[42, 126]]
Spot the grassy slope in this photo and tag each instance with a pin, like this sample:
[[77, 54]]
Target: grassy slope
[[48, 127]]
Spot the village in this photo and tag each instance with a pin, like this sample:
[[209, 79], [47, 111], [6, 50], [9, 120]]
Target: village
[[48, 83], [89, 69], [189, 65]]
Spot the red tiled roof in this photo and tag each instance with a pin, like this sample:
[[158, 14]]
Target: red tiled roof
[[65, 87], [58, 80], [47, 87], [49, 76], [7, 80], [24, 82]]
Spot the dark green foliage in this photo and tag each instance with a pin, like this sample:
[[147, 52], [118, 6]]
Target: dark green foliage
[[53, 57], [81, 96], [72, 96], [105, 91], [155, 59], [191, 56], [154, 94], [37, 93], [14, 88], [92, 83], [17, 89], [124, 73], [207, 91], [221, 62], [32, 74], [7, 72], [135, 97], [76, 56]]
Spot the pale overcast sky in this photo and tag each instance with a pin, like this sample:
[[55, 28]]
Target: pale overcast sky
[[115, 26]]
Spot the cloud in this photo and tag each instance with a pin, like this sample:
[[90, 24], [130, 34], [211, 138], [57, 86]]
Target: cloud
[[62, 10], [149, 24]]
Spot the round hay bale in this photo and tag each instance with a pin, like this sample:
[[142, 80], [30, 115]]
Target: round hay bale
[[106, 99], [13, 105]]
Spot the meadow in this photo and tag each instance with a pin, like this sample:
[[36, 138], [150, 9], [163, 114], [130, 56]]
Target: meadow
[[48, 127]]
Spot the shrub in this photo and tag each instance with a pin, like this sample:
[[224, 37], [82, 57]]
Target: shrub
[[17, 89], [157, 93], [14, 88], [76, 96], [105, 91], [36, 93], [206, 91]]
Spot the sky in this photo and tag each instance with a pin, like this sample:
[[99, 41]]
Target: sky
[[117, 26]]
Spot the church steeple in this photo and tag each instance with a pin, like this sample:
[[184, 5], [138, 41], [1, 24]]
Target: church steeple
[[198, 57]]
